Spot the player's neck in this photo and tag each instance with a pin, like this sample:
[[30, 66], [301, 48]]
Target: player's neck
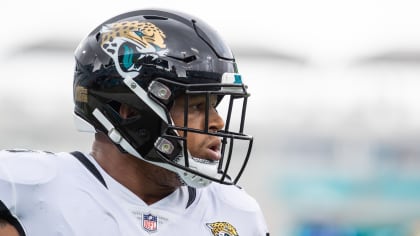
[[136, 175]]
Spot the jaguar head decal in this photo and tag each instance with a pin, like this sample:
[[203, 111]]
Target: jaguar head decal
[[222, 229], [128, 42]]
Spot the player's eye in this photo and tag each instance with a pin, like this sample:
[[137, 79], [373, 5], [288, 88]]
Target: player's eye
[[198, 106], [199, 103]]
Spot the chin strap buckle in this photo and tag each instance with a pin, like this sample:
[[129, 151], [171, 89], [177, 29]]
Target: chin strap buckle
[[115, 136]]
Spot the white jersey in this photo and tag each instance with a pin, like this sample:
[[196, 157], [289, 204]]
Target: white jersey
[[48, 194]]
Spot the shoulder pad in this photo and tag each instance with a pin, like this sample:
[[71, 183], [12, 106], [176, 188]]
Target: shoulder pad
[[20, 166], [234, 196]]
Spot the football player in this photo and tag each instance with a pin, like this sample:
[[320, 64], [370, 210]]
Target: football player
[[148, 83]]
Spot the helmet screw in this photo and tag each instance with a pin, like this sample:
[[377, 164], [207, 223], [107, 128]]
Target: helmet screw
[[133, 85], [166, 148], [162, 93]]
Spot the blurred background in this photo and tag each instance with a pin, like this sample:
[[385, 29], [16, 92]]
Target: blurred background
[[334, 106]]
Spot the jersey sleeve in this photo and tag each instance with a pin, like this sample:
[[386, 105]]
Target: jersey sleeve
[[20, 170]]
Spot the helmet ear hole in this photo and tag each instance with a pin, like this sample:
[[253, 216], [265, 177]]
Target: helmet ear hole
[[127, 111], [116, 106], [98, 35]]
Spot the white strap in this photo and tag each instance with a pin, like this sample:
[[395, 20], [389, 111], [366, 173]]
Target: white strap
[[114, 135], [145, 98]]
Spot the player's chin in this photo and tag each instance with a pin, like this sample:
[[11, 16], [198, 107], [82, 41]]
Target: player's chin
[[208, 156]]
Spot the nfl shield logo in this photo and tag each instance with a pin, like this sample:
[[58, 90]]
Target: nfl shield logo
[[150, 222]]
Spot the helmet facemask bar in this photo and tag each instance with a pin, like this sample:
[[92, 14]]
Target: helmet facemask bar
[[180, 132]]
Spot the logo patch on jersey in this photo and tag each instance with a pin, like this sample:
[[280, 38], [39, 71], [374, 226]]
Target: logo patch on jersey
[[222, 229], [150, 222]]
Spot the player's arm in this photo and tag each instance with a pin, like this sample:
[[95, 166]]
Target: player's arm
[[7, 229]]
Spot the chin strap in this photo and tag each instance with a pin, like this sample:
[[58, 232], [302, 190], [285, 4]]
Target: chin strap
[[189, 178], [114, 135], [138, 90]]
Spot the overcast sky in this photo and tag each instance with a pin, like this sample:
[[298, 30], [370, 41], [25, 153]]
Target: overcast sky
[[329, 60], [320, 31]]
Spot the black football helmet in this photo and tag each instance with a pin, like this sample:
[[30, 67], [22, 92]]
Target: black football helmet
[[146, 59]]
